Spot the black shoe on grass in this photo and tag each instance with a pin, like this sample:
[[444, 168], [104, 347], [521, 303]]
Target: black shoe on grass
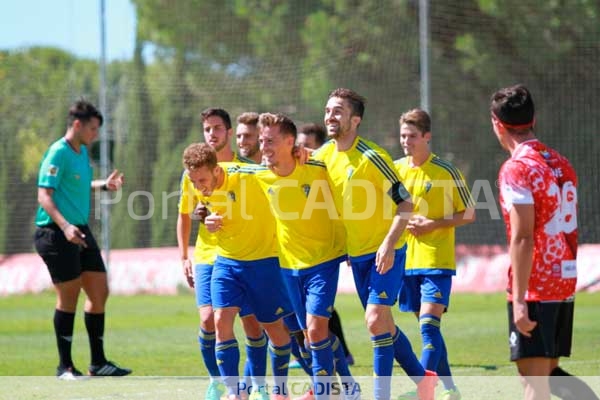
[[108, 369]]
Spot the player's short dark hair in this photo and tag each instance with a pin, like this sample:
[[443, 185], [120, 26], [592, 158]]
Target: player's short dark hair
[[513, 106], [356, 101], [418, 118], [219, 112], [316, 130], [84, 111]]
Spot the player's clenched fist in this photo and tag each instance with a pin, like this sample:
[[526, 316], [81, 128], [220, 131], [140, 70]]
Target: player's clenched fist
[[213, 222], [201, 212]]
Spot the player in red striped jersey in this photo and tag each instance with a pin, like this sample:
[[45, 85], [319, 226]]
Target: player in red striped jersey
[[538, 195]]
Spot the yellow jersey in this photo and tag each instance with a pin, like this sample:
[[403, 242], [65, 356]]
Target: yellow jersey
[[309, 231], [366, 191], [437, 189], [205, 249], [248, 230]]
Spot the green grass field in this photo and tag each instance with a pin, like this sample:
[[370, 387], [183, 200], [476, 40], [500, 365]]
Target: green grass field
[[156, 336]]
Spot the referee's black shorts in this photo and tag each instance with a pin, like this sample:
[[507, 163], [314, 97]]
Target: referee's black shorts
[[551, 337], [65, 260]]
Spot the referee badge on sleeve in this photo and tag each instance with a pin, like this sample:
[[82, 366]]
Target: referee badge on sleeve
[[52, 170]]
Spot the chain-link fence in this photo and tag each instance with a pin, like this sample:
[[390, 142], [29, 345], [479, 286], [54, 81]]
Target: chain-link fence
[[257, 55]]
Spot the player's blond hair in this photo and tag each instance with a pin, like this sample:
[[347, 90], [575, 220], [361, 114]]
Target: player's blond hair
[[286, 125], [248, 118]]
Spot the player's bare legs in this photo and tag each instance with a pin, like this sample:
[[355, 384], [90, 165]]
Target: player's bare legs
[[95, 286], [535, 373], [379, 319], [207, 319], [67, 294]]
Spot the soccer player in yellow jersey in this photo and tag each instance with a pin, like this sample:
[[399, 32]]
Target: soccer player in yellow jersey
[[312, 136], [311, 243], [246, 136], [216, 124], [442, 201], [373, 205], [246, 270]]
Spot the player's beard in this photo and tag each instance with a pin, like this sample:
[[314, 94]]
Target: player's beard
[[339, 131], [334, 131], [220, 146], [250, 151]]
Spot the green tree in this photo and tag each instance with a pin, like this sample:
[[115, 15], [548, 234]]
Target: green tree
[[136, 154], [487, 44]]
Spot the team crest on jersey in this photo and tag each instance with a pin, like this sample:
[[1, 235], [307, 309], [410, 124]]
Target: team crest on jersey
[[349, 172], [545, 154], [231, 195], [428, 186], [271, 192], [306, 189], [52, 170]]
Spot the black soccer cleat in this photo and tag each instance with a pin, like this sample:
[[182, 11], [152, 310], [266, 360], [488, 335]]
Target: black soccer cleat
[[108, 369]]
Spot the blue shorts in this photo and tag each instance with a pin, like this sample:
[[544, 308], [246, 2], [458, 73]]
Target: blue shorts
[[374, 288], [257, 284], [292, 323], [314, 291], [417, 289], [202, 278]]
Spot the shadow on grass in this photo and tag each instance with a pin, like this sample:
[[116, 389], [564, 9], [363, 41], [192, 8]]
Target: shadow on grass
[[481, 366]]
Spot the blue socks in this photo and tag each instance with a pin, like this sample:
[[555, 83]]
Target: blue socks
[[256, 360], [303, 357], [403, 353], [432, 341], [206, 340], [443, 369], [228, 356], [383, 363], [280, 358]]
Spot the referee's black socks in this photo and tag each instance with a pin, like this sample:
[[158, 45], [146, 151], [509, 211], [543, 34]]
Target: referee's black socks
[[569, 387], [63, 328], [94, 324]]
